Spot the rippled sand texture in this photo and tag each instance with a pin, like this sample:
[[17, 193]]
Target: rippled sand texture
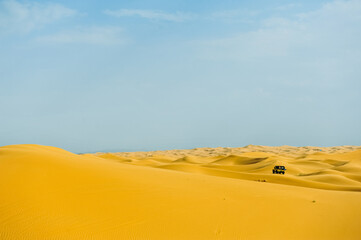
[[206, 193]]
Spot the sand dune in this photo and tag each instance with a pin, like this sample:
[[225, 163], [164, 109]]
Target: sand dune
[[324, 168], [205, 193]]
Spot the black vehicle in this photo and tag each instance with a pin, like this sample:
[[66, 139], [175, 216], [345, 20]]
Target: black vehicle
[[279, 170]]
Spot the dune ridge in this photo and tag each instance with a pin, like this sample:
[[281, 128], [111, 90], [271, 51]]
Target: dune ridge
[[316, 167], [49, 193]]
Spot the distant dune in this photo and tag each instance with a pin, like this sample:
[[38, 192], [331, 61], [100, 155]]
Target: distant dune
[[332, 168], [205, 193]]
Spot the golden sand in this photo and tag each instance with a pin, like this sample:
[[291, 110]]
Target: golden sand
[[205, 193]]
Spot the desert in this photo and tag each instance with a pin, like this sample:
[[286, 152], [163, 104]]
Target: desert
[[180, 120], [202, 193]]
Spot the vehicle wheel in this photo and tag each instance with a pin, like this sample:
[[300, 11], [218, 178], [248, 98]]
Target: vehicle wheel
[[283, 172], [273, 171]]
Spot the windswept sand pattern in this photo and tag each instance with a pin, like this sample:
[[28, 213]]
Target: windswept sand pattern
[[202, 194], [332, 168]]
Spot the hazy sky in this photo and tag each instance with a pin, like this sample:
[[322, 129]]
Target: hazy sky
[[157, 74]]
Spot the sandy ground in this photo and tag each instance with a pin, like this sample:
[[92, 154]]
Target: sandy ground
[[205, 193]]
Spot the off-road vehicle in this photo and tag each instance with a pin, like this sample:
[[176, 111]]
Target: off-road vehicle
[[279, 170]]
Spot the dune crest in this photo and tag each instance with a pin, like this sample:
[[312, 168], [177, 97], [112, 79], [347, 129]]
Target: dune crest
[[335, 167], [220, 193]]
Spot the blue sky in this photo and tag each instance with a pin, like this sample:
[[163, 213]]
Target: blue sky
[[144, 75]]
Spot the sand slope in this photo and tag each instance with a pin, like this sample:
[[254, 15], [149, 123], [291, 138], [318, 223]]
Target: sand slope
[[222, 193], [332, 168]]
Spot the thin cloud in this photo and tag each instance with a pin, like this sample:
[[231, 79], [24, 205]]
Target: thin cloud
[[322, 45], [338, 21], [26, 17], [235, 13], [91, 35], [150, 14], [235, 16], [288, 6]]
